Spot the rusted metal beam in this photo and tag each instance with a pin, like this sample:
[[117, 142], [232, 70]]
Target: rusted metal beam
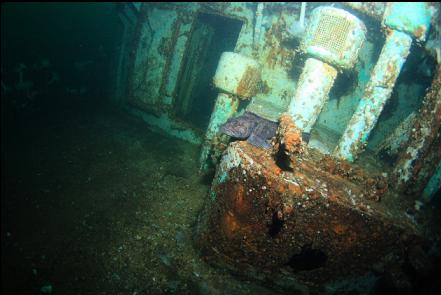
[[418, 161]]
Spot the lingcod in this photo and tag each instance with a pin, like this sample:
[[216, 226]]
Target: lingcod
[[256, 130]]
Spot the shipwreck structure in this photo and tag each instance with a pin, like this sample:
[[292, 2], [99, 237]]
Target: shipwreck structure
[[364, 79]]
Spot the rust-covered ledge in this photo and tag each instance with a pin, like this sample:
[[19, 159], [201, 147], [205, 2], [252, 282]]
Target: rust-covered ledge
[[314, 225]]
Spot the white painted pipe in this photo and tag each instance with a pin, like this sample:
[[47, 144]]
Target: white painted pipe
[[258, 25], [311, 94], [302, 15]]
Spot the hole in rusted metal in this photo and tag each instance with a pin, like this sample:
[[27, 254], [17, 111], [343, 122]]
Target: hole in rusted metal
[[308, 259], [282, 160], [276, 225]]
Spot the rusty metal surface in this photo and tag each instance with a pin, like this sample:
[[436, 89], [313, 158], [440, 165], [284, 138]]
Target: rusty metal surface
[[151, 62], [418, 161], [247, 87], [314, 224], [373, 9]]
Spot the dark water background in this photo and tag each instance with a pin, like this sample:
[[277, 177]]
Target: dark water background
[[92, 201], [78, 42]]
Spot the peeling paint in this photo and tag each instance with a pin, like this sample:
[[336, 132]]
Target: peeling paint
[[377, 92]]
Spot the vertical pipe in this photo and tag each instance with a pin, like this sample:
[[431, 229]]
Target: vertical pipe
[[225, 106], [258, 27], [378, 91], [302, 15], [311, 94]]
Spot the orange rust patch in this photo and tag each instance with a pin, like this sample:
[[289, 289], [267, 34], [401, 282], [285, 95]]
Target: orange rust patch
[[241, 205], [248, 84], [419, 32], [391, 74], [290, 136], [230, 225], [271, 169], [332, 198], [271, 58], [340, 229], [295, 189], [287, 209], [280, 188]]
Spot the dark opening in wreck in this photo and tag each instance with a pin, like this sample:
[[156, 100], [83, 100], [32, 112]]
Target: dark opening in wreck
[[212, 34]]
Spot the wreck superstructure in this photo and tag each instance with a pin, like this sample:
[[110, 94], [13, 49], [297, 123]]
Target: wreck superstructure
[[304, 216]]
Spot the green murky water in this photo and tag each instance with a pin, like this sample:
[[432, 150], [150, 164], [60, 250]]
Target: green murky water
[[95, 203]]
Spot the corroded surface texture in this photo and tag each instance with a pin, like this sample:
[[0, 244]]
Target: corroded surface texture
[[418, 161], [289, 138], [312, 92], [377, 93], [373, 9], [238, 75], [247, 87], [313, 224]]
